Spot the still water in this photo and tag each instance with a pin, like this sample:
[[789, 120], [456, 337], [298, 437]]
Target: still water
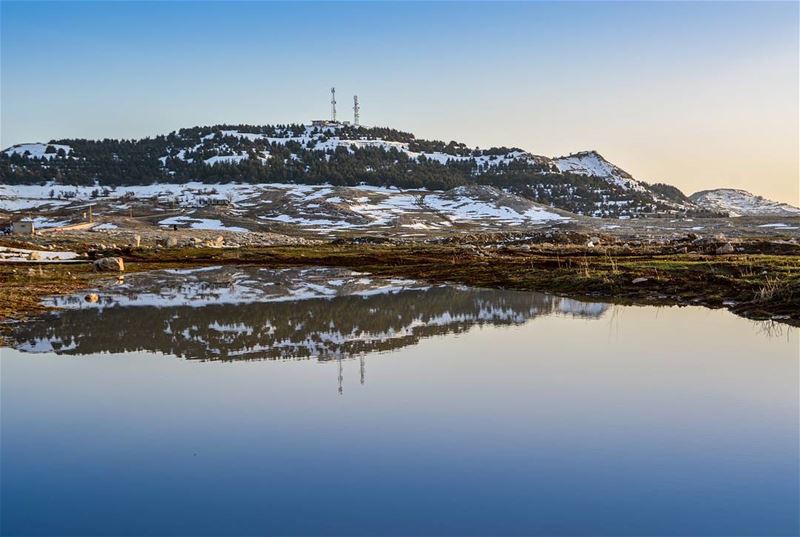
[[244, 401]]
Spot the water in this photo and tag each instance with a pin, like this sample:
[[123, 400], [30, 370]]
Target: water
[[328, 402]]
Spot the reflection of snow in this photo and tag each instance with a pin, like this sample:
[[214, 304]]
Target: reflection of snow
[[21, 254], [224, 285], [251, 312]]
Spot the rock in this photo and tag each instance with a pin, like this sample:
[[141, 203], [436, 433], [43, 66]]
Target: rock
[[136, 241], [639, 280], [171, 242], [590, 244], [217, 242], [109, 264], [595, 240], [92, 297], [34, 256], [726, 248]]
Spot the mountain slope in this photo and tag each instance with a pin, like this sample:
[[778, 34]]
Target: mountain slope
[[262, 207], [735, 202], [337, 154]]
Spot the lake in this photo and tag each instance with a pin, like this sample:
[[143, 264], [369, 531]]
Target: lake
[[250, 401]]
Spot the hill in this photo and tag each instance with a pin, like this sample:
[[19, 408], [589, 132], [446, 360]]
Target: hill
[[340, 155], [734, 202]]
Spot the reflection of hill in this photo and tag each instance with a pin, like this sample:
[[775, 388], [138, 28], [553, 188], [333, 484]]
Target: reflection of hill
[[323, 314]]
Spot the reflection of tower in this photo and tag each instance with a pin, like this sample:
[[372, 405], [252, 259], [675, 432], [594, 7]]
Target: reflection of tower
[[333, 105], [356, 110], [341, 377], [361, 368]]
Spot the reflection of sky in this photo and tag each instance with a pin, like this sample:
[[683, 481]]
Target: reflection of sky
[[670, 421]]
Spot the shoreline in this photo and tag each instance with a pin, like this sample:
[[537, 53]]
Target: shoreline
[[754, 284]]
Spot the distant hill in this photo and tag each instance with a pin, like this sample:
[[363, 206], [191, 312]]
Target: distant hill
[[735, 202], [341, 155]]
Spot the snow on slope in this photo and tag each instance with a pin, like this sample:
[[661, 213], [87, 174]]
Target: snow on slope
[[483, 202], [37, 150], [324, 207], [737, 202], [327, 139], [592, 163], [24, 197], [198, 223]]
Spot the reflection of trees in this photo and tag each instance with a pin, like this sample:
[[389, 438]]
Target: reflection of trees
[[324, 328]]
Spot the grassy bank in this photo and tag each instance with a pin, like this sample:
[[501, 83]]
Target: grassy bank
[[759, 286]]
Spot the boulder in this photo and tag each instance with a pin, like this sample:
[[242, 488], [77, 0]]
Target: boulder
[[639, 280], [171, 242], [109, 264], [92, 297], [726, 248], [34, 256]]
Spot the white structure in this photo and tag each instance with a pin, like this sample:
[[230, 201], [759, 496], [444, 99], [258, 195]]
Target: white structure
[[333, 105], [356, 110], [23, 227]]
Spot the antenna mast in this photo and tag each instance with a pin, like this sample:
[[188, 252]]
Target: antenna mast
[[356, 109], [333, 104]]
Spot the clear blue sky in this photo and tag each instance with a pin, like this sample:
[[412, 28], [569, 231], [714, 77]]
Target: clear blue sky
[[698, 94]]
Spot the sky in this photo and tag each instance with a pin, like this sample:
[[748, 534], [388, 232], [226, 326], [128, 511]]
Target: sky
[[696, 94]]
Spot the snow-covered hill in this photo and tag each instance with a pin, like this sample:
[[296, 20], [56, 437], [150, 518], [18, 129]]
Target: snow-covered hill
[[735, 202], [333, 153]]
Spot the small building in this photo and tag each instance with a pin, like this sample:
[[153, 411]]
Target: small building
[[23, 227], [327, 123]]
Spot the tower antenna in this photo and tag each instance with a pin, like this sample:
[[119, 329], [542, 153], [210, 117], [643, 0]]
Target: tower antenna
[[341, 375], [356, 110], [333, 104]]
